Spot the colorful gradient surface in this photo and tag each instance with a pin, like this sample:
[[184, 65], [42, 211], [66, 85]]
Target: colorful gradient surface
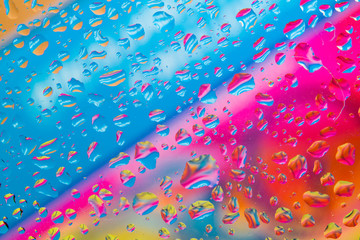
[[100, 102]]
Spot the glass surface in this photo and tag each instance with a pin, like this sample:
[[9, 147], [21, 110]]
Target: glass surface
[[179, 119]]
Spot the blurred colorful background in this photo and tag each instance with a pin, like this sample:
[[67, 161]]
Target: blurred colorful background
[[179, 119]]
